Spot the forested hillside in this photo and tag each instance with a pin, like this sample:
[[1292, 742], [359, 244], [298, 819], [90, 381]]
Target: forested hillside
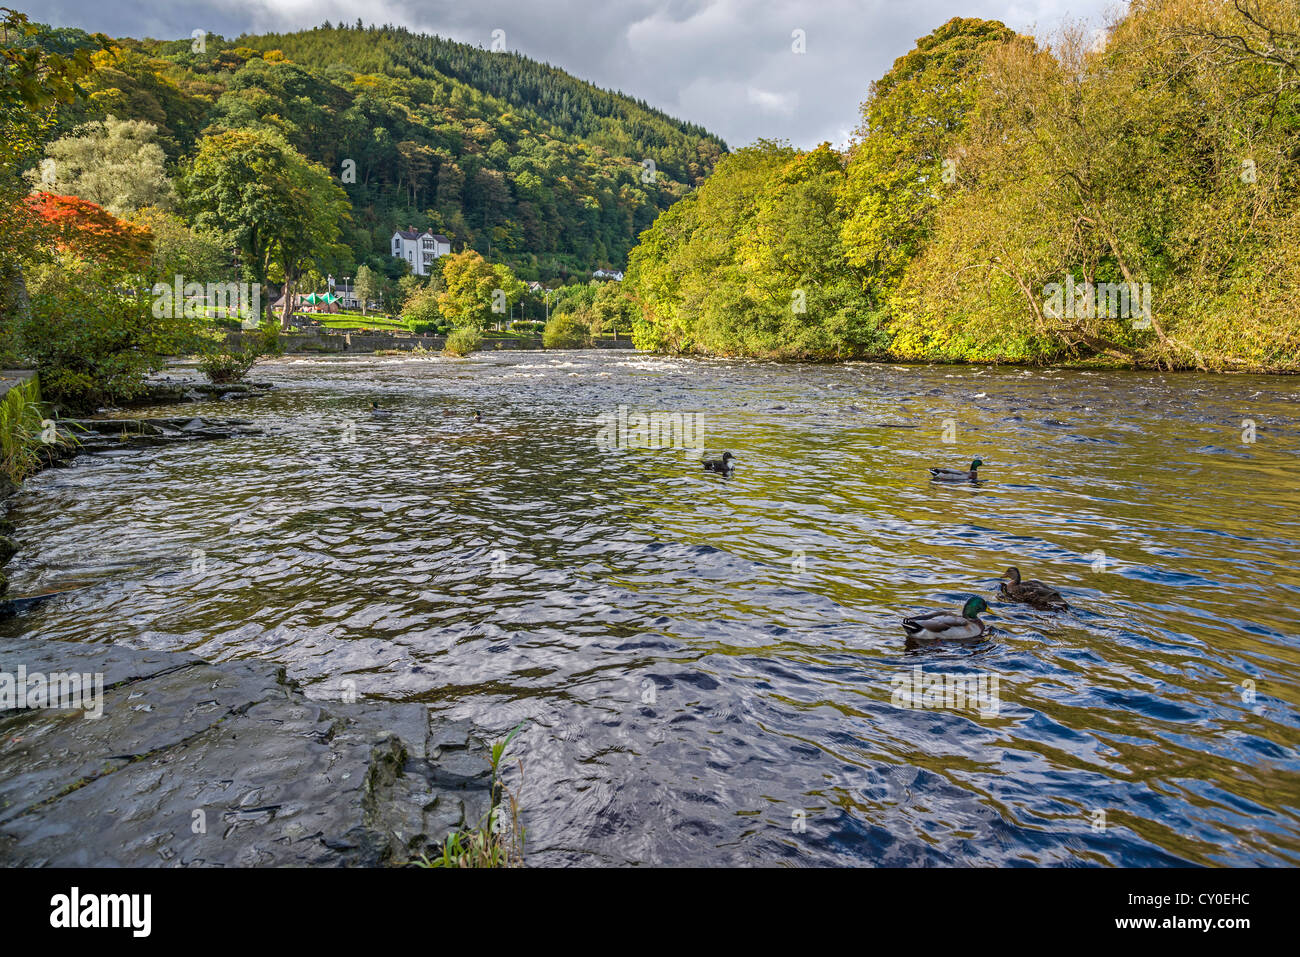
[[1130, 197], [501, 153]]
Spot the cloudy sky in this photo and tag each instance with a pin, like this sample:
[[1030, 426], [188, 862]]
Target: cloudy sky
[[726, 64]]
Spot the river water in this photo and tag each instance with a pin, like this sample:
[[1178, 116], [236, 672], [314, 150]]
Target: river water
[[708, 667]]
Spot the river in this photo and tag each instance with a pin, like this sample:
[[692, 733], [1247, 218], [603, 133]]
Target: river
[[707, 667]]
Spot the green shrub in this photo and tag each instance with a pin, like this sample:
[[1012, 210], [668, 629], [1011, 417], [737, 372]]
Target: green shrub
[[92, 342], [224, 367], [422, 307], [463, 341], [568, 331]]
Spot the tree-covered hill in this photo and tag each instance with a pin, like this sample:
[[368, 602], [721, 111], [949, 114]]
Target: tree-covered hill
[[502, 153]]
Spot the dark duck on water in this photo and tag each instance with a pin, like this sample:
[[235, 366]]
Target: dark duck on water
[[722, 464], [1032, 593], [957, 475]]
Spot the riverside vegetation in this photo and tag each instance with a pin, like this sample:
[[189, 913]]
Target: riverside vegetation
[[989, 167]]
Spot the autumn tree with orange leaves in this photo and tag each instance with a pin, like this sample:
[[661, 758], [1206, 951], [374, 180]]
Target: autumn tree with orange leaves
[[90, 232]]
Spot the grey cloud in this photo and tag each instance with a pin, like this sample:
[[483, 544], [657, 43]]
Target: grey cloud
[[725, 64]]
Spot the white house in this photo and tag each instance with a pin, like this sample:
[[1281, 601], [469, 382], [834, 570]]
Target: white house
[[614, 274], [420, 249]]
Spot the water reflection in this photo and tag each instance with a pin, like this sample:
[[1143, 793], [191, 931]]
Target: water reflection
[[707, 664]]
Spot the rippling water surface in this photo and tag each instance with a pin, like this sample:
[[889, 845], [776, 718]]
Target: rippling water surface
[[706, 665]]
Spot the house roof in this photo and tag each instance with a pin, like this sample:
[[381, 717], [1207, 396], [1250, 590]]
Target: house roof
[[416, 234]]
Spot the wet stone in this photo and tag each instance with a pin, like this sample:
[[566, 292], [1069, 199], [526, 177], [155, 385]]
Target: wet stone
[[223, 765]]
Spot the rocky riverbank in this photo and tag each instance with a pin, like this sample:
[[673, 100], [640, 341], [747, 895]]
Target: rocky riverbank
[[163, 759], [198, 764]]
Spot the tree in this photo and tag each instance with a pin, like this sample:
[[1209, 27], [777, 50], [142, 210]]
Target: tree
[[284, 211], [180, 250], [117, 164], [613, 309], [908, 155], [477, 292], [84, 229], [91, 339], [753, 263], [365, 287], [35, 80], [421, 310]]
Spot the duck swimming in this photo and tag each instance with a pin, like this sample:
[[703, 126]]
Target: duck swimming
[[722, 464], [377, 412], [1032, 593], [945, 626], [956, 475]]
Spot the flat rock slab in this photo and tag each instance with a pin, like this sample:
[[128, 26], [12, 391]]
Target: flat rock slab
[[219, 765], [188, 390]]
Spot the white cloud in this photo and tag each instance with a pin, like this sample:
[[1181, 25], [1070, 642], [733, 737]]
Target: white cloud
[[725, 64], [780, 103]]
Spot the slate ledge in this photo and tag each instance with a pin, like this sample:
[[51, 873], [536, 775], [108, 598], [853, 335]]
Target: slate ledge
[[194, 764]]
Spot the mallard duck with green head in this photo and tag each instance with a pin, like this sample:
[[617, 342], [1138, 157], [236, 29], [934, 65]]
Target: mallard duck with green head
[[957, 475], [945, 626], [1033, 593]]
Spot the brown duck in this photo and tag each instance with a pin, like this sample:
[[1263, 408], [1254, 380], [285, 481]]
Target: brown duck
[[1033, 593]]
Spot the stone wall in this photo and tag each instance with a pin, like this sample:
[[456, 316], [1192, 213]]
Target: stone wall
[[355, 342]]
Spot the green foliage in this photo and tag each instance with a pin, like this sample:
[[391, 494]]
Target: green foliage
[[477, 292], [421, 309], [27, 437], [989, 168], [463, 341], [566, 331], [366, 286], [117, 164], [753, 263], [499, 152], [91, 341], [284, 211], [38, 73], [907, 150], [223, 367], [180, 250]]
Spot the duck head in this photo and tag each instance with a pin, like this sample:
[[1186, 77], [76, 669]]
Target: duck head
[[1011, 576], [976, 464], [973, 607], [727, 457]]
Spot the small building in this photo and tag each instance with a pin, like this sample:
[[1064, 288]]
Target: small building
[[311, 302], [614, 274], [348, 298], [419, 249]]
